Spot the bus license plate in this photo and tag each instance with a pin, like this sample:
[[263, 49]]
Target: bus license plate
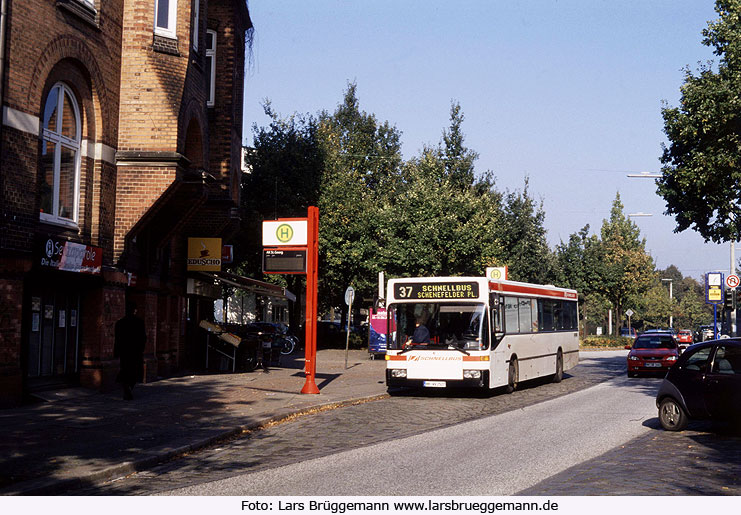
[[433, 384]]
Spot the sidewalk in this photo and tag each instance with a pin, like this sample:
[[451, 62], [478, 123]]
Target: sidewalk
[[87, 437]]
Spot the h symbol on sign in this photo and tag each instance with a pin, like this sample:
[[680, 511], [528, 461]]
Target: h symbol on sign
[[284, 233]]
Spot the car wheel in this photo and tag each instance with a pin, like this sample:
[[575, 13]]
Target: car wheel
[[631, 374], [514, 374], [559, 368], [671, 415]]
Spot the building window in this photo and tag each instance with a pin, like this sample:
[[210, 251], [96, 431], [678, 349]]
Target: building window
[[211, 67], [165, 14], [60, 157], [196, 22]]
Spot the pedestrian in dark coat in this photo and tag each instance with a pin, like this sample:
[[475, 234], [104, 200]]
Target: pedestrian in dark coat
[[131, 337]]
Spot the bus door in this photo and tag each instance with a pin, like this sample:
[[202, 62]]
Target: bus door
[[499, 356]]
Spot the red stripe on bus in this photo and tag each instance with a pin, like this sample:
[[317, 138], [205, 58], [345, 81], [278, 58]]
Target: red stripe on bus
[[517, 288], [391, 357]]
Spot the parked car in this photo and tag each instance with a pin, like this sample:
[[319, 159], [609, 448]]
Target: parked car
[[704, 383], [334, 335], [628, 332], [652, 353]]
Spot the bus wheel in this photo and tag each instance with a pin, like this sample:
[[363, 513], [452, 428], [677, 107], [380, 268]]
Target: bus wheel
[[514, 373], [559, 368]]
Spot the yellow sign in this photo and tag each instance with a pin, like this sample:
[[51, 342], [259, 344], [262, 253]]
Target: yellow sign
[[715, 294], [284, 233], [496, 273], [204, 254]]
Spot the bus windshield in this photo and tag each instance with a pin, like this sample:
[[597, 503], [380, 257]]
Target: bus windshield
[[439, 326]]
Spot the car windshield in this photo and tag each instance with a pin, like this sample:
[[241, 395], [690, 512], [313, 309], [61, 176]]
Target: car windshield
[[655, 341], [437, 326]]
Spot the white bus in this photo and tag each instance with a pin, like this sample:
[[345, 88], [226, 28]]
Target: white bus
[[476, 332]]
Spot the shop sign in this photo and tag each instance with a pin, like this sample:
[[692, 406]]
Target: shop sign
[[71, 257], [227, 254], [204, 254]]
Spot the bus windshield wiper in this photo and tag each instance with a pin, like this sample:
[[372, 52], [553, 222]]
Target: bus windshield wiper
[[459, 350]]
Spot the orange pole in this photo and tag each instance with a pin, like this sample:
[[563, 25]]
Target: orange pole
[[312, 280]]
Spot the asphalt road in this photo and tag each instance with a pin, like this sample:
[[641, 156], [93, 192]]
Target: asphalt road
[[496, 455]]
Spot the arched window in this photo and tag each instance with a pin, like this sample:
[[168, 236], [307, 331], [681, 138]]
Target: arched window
[[60, 157]]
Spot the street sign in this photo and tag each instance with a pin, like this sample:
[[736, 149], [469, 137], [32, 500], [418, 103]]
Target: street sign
[[349, 295], [285, 231], [714, 288], [732, 281], [629, 313], [284, 261]]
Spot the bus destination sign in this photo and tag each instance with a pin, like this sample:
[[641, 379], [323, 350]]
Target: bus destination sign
[[284, 261], [436, 291]]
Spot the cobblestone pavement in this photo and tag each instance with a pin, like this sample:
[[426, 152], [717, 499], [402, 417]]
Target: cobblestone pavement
[[328, 432], [702, 460]]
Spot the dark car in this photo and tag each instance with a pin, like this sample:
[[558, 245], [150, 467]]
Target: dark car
[[626, 332], [334, 335], [651, 353], [704, 383]]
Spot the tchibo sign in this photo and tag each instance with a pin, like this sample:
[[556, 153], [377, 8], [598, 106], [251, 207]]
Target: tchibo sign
[[204, 254]]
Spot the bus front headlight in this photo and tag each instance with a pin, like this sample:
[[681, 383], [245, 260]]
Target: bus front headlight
[[472, 374], [398, 372]]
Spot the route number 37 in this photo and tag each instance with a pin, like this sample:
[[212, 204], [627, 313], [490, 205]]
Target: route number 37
[[405, 292]]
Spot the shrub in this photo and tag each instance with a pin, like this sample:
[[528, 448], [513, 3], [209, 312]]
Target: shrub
[[606, 341]]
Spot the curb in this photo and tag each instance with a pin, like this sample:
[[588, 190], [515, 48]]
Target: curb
[[47, 486]]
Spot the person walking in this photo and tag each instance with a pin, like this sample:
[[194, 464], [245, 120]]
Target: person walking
[[130, 338]]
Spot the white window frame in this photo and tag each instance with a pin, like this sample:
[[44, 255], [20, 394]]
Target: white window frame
[[172, 12], [196, 23], [59, 141], [211, 52]]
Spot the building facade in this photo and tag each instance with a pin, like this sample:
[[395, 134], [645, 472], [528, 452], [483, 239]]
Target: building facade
[[121, 137]]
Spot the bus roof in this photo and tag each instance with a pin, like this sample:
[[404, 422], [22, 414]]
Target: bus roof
[[499, 286], [548, 290]]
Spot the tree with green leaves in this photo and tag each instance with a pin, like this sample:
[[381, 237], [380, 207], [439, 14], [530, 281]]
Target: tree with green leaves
[[285, 169], [701, 176], [523, 238], [362, 162], [627, 270]]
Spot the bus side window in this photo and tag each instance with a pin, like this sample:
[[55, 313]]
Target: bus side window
[[511, 315]]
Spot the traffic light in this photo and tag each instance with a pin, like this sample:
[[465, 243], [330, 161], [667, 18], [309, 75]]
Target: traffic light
[[729, 302]]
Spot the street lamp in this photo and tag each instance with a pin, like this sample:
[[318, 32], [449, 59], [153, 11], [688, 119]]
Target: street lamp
[[671, 296], [633, 215], [646, 175]]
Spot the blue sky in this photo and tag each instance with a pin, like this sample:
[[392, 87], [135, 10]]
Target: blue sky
[[567, 93]]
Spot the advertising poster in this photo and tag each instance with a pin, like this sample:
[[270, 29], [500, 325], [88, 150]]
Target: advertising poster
[[378, 339]]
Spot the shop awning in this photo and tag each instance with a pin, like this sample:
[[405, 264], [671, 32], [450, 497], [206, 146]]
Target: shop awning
[[248, 284]]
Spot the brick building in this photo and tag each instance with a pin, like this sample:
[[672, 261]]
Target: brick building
[[121, 137]]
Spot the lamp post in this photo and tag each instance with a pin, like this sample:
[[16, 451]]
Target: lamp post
[[671, 296]]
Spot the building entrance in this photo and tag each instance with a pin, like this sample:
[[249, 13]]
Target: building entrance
[[53, 337]]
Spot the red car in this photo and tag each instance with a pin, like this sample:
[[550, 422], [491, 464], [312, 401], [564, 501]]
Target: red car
[[652, 353], [685, 339]]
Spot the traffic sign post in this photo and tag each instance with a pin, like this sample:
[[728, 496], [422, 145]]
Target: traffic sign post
[[733, 281], [714, 295], [312, 279], [290, 246], [349, 297]]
